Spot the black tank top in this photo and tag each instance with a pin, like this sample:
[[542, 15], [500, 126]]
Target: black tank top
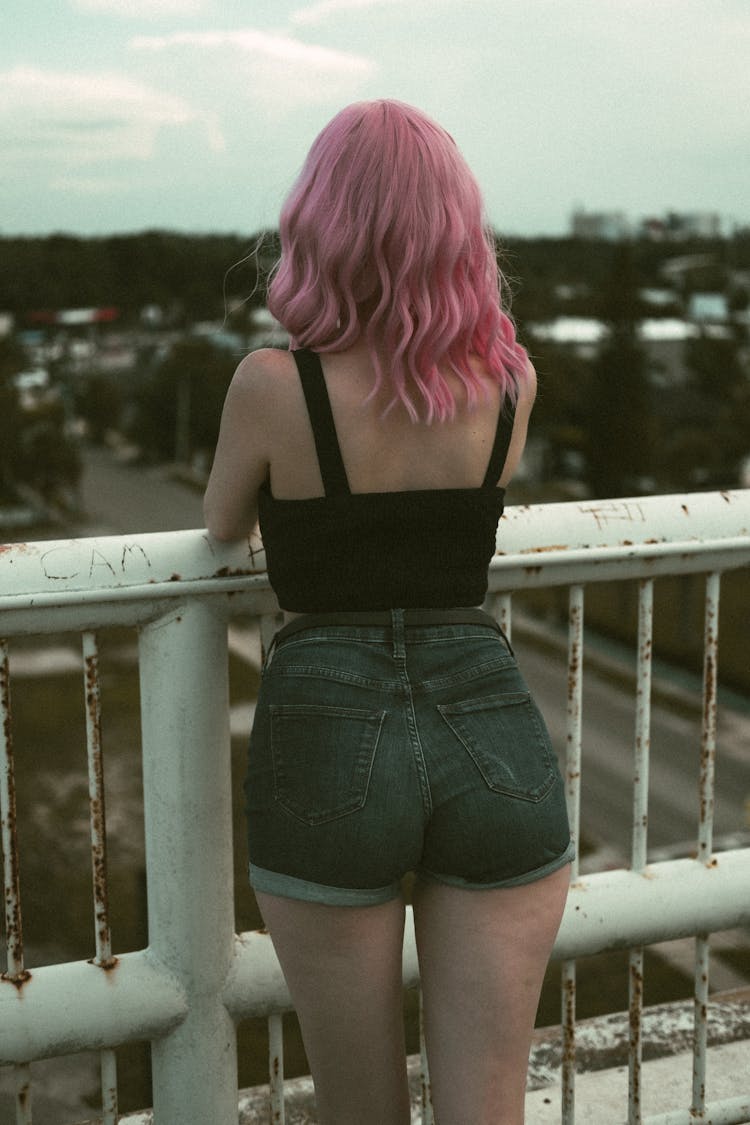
[[422, 548]]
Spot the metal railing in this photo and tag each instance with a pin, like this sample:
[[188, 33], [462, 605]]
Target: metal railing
[[197, 978]]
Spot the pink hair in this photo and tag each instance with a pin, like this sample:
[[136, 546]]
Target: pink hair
[[384, 233]]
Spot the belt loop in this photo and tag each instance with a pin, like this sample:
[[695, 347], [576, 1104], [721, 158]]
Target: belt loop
[[397, 634]]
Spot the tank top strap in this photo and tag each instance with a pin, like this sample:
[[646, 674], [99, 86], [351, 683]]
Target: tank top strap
[[503, 434], [332, 470]]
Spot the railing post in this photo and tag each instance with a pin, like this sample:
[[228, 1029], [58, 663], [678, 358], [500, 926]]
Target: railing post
[[188, 821]]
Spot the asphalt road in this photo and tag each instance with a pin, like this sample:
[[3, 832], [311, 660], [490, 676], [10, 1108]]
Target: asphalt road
[[122, 499], [608, 737]]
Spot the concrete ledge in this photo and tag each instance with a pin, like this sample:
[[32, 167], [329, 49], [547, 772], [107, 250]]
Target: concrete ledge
[[601, 1097], [602, 1043], [602, 1068]]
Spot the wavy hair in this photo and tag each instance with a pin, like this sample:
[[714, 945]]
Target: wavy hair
[[383, 235]]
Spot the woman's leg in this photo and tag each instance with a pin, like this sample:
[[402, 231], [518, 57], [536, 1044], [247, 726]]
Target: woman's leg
[[343, 968], [482, 956]]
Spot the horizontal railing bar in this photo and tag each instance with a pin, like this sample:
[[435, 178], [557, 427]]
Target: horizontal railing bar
[[730, 1111], [612, 564], [550, 534], [78, 1006], [153, 591], [508, 572], [82, 613], [696, 516], [676, 898]]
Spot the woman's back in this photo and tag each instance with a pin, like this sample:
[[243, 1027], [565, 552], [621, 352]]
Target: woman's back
[[382, 452]]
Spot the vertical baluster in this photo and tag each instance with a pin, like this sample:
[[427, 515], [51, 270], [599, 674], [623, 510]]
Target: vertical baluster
[[573, 800], [269, 626], [97, 818], [708, 731], [108, 1071], [427, 1114], [642, 724], [705, 832], [501, 610], [276, 1067], [640, 833], [700, 1027], [16, 974], [568, 1019]]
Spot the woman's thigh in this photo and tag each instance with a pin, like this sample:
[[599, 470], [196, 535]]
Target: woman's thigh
[[482, 957]]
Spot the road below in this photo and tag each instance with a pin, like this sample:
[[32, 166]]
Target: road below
[[123, 499], [608, 736]]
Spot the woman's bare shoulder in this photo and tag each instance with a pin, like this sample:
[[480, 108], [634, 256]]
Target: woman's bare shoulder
[[264, 367], [263, 379]]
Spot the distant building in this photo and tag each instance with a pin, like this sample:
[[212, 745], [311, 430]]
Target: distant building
[[673, 226], [677, 227], [607, 226]]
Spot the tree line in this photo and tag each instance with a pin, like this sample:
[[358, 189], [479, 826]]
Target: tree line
[[604, 420]]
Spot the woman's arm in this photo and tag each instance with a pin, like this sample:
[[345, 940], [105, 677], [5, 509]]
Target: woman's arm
[[230, 505]]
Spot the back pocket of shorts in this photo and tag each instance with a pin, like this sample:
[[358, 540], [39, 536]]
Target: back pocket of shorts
[[322, 758], [508, 741]]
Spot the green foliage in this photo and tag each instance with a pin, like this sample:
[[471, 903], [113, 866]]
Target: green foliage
[[178, 407], [184, 274], [715, 412], [563, 382], [49, 462], [619, 418], [35, 452], [99, 400], [12, 360]]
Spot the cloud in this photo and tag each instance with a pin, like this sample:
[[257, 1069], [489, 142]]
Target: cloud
[[141, 9], [277, 71], [326, 9], [262, 44], [88, 118]]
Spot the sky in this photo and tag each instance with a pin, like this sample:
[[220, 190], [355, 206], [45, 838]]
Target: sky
[[195, 115]]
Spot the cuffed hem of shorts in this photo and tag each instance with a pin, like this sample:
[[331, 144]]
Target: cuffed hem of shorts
[[288, 886], [514, 881]]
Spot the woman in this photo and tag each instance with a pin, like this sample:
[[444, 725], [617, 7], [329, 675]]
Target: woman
[[393, 731]]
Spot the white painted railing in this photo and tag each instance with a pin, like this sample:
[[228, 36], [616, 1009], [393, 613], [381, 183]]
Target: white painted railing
[[197, 978]]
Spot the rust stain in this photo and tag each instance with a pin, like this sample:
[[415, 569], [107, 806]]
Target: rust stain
[[18, 980], [234, 572], [13, 924], [569, 1026], [106, 964], [550, 547], [635, 1020], [426, 1093], [24, 1097], [98, 815]]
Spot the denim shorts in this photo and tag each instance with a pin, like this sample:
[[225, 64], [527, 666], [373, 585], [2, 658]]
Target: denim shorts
[[399, 746]]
